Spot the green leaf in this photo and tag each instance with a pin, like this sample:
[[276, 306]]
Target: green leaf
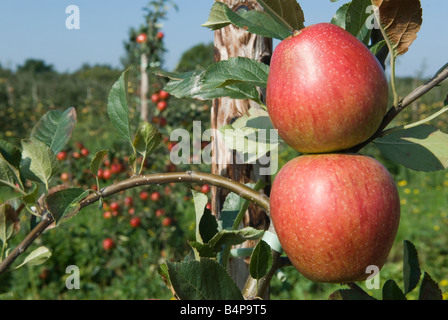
[[64, 204], [36, 257], [340, 17], [422, 148], [218, 17], [200, 201], [9, 175], [147, 139], [350, 294], [236, 78], [252, 135], [223, 238], [429, 289], [208, 226], [202, 250], [189, 85], [117, 106], [96, 161], [356, 18], [260, 260], [55, 128], [9, 222], [257, 22], [10, 153], [391, 291], [38, 161], [236, 70], [377, 47], [411, 268], [234, 237], [286, 12], [202, 280]]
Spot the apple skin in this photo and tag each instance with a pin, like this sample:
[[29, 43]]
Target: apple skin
[[334, 215], [326, 91]]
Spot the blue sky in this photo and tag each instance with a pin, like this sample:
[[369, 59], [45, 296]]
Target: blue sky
[[36, 29]]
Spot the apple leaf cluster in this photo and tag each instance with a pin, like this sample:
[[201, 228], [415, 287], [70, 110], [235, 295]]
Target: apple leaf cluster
[[211, 251], [412, 277]]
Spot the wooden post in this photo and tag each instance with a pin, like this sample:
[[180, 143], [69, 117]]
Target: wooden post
[[234, 42], [144, 88]]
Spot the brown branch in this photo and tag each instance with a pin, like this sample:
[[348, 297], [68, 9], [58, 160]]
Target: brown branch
[[184, 177], [142, 180], [406, 101], [47, 220]]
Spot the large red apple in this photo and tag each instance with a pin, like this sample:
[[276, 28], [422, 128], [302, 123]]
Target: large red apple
[[326, 91], [335, 215]]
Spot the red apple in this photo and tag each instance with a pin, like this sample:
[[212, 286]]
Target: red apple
[[128, 201], [144, 195], [141, 38], [160, 35], [164, 95], [166, 222], [62, 155], [161, 105], [335, 215], [108, 244], [65, 176], [84, 152], [326, 91], [205, 188], [155, 196], [106, 174], [135, 222], [114, 206], [155, 97]]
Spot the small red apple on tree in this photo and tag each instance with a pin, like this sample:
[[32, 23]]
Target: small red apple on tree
[[164, 95], [141, 38], [161, 105], [144, 195], [326, 91], [205, 188], [62, 155], [135, 222], [108, 244], [155, 196], [335, 215]]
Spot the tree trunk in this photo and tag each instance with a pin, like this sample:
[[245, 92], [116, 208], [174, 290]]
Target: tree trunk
[[234, 42]]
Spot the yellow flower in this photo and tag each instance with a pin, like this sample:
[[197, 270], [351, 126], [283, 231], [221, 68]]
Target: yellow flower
[[445, 296], [444, 282], [402, 183], [416, 191], [436, 228], [445, 183], [403, 201], [407, 190]]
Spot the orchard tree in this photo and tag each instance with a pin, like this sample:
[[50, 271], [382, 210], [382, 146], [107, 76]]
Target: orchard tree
[[332, 212], [145, 49]]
